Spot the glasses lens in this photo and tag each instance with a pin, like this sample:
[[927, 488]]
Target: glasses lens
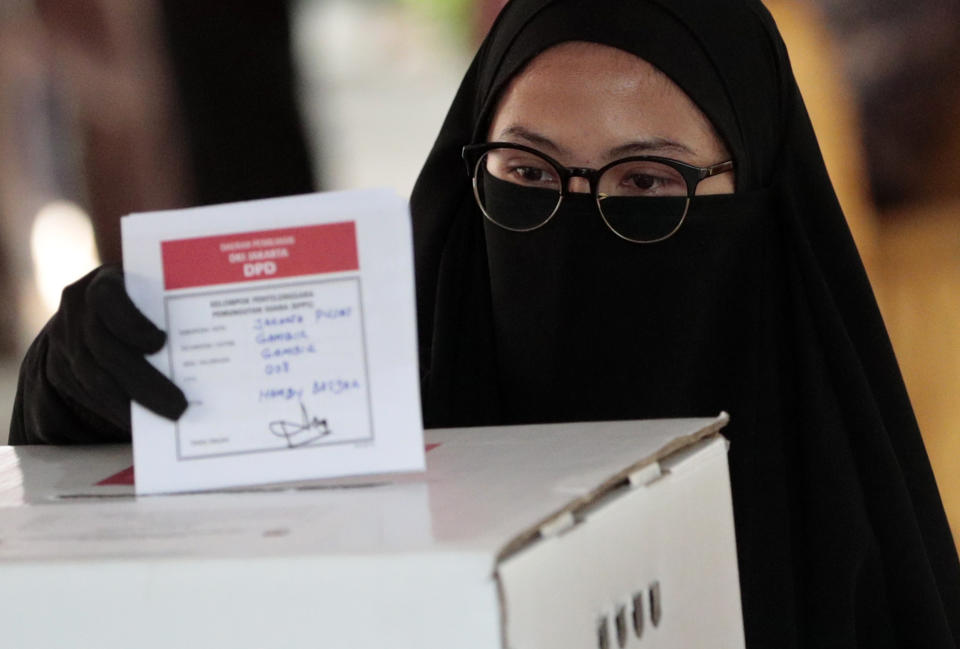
[[516, 189], [643, 200]]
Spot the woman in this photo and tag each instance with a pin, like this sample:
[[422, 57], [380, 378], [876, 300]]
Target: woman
[[756, 304], [645, 229]]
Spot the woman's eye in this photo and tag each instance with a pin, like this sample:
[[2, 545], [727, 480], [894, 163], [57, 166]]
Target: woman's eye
[[645, 182], [646, 179], [532, 174]]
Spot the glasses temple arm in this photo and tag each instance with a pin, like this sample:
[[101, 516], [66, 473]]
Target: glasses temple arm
[[716, 169]]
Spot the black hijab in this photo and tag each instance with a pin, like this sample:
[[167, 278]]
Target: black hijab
[[759, 305]]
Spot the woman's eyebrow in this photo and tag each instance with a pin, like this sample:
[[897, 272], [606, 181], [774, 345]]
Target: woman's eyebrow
[[533, 138], [649, 145], [637, 147]]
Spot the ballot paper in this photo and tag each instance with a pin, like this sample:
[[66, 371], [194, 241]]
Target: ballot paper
[[290, 329]]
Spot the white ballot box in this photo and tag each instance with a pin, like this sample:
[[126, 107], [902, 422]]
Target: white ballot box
[[614, 534]]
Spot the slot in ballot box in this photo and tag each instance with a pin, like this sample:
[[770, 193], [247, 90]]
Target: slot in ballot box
[[614, 534]]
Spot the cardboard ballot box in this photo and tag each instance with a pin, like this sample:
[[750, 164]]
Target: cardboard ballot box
[[615, 534]]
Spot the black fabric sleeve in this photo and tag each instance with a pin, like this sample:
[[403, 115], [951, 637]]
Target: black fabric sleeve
[[79, 376], [43, 416]]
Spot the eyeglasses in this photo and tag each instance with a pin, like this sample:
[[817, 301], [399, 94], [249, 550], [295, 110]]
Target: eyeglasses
[[643, 199]]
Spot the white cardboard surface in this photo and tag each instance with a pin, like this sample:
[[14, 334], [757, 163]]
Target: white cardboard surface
[[451, 557], [291, 330], [668, 544]]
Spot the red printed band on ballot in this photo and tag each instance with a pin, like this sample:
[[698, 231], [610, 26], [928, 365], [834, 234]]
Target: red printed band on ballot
[[255, 256]]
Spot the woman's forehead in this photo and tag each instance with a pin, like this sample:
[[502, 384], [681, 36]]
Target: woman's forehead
[[595, 98], [724, 55], [608, 54]]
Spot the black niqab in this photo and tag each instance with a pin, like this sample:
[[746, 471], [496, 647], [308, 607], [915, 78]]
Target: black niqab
[[759, 305]]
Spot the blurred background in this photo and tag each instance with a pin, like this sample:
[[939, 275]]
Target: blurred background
[[109, 107]]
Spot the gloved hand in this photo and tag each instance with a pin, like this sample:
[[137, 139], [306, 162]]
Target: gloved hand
[[91, 355]]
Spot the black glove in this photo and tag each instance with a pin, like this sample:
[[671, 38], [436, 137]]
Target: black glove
[[80, 374]]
